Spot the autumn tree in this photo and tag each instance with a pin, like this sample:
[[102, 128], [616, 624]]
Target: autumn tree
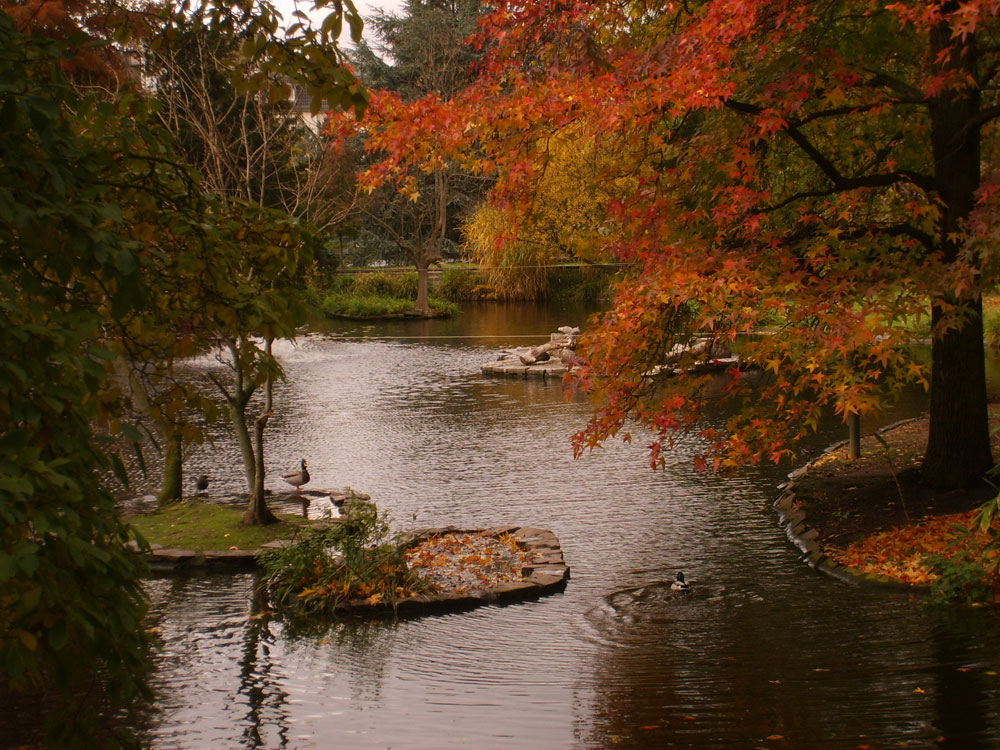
[[566, 221], [421, 56], [825, 171]]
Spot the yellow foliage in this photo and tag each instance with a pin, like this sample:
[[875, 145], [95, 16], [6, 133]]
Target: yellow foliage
[[567, 220]]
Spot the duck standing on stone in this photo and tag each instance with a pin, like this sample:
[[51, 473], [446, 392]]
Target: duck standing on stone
[[680, 584], [299, 477]]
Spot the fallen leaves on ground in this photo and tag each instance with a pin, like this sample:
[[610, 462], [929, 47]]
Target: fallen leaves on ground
[[467, 561], [901, 553]]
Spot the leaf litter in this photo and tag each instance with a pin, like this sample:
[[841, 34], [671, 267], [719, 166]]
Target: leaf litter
[[457, 561]]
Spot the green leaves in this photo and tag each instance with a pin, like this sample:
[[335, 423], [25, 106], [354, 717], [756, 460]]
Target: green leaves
[[66, 576]]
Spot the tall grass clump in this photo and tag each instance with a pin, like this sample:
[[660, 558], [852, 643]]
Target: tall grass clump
[[402, 284], [463, 284]]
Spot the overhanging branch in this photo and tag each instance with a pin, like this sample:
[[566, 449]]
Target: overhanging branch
[[841, 182]]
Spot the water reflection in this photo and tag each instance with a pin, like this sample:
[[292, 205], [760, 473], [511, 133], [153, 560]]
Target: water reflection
[[762, 647]]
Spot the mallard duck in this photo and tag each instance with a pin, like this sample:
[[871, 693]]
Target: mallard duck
[[201, 483], [680, 584], [297, 478]]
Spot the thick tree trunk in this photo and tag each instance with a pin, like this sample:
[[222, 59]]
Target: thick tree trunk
[[173, 454], [958, 446]]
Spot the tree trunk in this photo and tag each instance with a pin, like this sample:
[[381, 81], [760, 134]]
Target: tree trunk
[[422, 305], [237, 410], [173, 454], [257, 512], [958, 446]]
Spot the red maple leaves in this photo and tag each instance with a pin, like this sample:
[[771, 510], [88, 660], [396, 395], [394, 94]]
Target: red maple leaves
[[902, 553], [773, 173]]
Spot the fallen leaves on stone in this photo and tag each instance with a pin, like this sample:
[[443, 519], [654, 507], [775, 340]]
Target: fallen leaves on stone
[[467, 561]]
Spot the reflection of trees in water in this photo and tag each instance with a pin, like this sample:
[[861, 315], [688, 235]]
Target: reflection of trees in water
[[210, 626], [262, 649], [358, 652], [266, 700], [965, 711], [367, 647], [717, 671]]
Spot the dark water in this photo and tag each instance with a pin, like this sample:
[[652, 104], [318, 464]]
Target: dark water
[[763, 653]]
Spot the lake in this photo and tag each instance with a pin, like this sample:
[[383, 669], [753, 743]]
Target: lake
[[764, 652]]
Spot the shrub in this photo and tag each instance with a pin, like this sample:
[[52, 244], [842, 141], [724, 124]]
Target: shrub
[[385, 284], [355, 559], [972, 574], [463, 284]]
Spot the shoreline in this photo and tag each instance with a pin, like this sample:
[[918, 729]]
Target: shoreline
[[832, 505]]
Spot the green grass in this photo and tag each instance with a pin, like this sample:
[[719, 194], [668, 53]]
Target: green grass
[[379, 294], [353, 306], [191, 524]]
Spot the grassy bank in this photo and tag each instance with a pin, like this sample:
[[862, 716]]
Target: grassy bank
[[191, 524], [378, 294]]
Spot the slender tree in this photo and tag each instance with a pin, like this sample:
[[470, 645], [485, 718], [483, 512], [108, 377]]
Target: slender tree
[[421, 54], [255, 153]]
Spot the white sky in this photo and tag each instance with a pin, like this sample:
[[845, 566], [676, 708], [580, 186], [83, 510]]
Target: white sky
[[364, 7]]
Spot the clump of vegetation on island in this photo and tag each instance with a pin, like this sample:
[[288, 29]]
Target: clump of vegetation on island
[[391, 292], [355, 559], [358, 561], [378, 294]]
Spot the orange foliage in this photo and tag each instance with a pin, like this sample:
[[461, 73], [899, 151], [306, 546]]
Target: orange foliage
[[901, 552], [459, 562], [94, 20], [781, 173]]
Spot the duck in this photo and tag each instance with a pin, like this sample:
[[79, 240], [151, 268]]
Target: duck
[[201, 483], [680, 584], [297, 478]]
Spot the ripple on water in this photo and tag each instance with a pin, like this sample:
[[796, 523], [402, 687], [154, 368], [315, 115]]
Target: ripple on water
[[761, 646]]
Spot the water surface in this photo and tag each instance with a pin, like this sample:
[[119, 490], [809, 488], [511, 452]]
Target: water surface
[[762, 648]]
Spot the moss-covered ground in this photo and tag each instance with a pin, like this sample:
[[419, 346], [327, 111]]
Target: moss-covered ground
[[197, 525]]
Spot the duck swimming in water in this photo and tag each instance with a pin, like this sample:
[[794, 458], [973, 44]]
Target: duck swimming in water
[[297, 478], [680, 584]]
